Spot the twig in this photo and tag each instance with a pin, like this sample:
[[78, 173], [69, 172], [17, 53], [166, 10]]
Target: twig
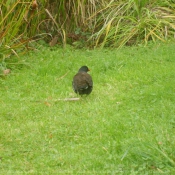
[[68, 99], [62, 76]]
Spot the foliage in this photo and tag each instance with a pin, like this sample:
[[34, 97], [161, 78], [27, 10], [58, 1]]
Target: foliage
[[130, 22], [84, 23], [114, 23], [15, 26]]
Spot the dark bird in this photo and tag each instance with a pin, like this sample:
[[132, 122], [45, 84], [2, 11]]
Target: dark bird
[[82, 82]]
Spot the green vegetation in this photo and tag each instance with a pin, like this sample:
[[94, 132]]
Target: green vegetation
[[95, 23], [126, 126]]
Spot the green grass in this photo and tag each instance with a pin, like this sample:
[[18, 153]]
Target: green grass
[[125, 126]]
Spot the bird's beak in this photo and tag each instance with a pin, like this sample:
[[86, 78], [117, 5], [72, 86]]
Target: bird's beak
[[88, 69]]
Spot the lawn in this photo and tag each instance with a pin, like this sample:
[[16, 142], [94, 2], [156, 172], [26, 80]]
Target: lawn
[[125, 126]]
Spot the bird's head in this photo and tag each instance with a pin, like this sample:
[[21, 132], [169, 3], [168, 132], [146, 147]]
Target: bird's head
[[84, 69]]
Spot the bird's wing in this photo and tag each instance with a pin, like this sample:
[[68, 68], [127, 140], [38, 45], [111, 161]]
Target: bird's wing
[[82, 80], [89, 80]]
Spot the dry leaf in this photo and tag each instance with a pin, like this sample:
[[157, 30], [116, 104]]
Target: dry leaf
[[6, 71], [47, 104], [53, 41], [34, 4]]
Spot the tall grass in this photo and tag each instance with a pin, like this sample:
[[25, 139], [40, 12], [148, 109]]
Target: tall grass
[[16, 26], [129, 22], [101, 23]]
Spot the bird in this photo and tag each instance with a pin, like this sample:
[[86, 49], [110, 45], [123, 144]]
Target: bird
[[82, 82]]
